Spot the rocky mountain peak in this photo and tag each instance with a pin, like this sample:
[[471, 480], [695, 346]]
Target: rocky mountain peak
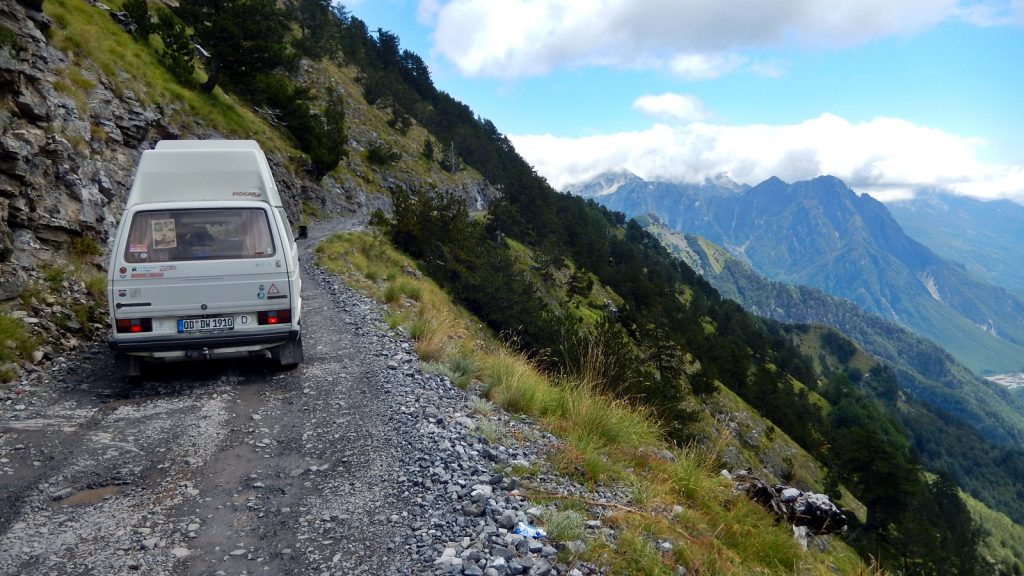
[[604, 184]]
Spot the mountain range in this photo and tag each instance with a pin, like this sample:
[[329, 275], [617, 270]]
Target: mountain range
[[822, 234], [983, 236]]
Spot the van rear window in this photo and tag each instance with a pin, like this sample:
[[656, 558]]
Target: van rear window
[[199, 234]]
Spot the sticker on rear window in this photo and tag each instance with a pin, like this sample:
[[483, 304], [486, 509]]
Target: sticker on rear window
[[164, 235], [138, 248]]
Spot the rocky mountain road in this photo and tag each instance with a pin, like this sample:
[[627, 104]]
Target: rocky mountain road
[[356, 462]]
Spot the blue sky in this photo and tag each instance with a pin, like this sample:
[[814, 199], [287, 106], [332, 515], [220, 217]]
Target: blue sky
[[890, 96]]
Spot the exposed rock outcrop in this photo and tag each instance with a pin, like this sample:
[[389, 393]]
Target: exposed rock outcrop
[[809, 513], [64, 164]]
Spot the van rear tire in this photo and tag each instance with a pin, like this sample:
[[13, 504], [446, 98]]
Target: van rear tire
[[287, 356]]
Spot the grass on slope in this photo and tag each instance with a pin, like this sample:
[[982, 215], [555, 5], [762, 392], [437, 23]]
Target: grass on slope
[[683, 512], [16, 345], [94, 43]]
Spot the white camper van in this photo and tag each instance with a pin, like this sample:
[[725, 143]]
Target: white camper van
[[205, 264]]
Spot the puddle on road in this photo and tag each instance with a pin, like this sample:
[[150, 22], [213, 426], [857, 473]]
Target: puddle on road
[[62, 425], [90, 496]]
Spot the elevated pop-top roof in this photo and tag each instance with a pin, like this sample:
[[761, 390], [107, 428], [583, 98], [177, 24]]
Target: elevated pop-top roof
[[189, 170]]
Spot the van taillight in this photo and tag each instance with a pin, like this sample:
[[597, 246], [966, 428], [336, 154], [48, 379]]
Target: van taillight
[[274, 317], [134, 325]]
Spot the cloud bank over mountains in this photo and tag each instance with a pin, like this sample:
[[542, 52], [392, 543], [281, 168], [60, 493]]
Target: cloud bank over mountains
[[886, 157]]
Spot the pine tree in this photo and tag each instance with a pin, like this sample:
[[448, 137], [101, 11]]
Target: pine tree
[[320, 28], [177, 54], [244, 37], [138, 12]]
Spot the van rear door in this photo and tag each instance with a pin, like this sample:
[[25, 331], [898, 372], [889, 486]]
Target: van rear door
[[201, 273]]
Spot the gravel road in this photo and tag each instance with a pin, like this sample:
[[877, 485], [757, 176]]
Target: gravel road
[[357, 462]]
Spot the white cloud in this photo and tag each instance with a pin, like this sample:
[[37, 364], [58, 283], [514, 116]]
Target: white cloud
[[883, 157], [704, 67], [514, 38], [682, 107]]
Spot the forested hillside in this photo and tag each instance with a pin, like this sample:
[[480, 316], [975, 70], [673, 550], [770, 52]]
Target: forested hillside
[[668, 338], [958, 422]]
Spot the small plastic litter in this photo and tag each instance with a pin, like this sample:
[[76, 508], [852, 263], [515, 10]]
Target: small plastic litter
[[529, 531]]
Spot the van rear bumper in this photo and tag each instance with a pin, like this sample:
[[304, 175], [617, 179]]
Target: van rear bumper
[[213, 341]]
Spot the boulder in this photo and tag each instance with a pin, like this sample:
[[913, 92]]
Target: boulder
[[815, 512], [818, 513]]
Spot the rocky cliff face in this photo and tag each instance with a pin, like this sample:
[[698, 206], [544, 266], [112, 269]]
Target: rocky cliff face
[[60, 170]]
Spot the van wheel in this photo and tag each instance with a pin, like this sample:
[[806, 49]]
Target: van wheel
[[128, 366], [287, 356]]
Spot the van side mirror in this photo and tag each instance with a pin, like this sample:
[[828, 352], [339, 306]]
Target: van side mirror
[[303, 232]]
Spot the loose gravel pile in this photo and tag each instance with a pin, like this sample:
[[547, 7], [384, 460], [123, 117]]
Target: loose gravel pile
[[455, 502], [358, 462]]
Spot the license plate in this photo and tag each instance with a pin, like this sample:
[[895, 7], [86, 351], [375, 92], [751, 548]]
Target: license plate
[[206, 324]]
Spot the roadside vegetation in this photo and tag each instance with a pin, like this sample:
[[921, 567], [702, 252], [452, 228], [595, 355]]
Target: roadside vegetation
[[75, 284], [16, 344], [683, 512]]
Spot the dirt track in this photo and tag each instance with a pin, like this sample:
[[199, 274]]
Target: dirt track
[[212, 466]]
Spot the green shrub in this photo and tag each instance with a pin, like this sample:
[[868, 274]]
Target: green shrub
[[383, 154], [481, 406], [85, 247], [54, 275], [177, 55], [637, 555], [391, 294], [7, 38], [563, 525], [464, 367], [15, 344], [96, 284], [492, 431], [400, 287]]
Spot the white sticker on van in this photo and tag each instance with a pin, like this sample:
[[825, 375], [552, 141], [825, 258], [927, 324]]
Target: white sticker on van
[[164, 234]]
